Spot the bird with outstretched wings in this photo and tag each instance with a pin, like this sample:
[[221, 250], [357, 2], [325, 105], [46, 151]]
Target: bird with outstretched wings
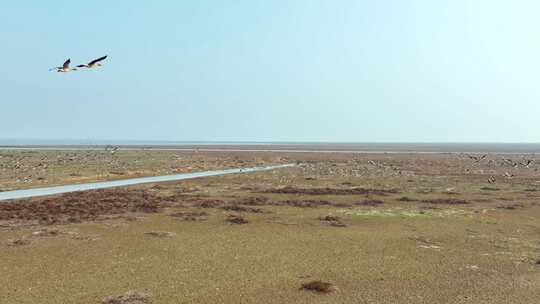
[[64, 68], [93, 63]]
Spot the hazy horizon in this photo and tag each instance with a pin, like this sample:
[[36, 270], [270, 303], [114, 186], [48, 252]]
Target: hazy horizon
[[68, 141], [282, 71]]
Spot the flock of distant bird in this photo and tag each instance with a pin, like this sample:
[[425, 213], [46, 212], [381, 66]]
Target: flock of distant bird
[[66, 68], [526, 163]]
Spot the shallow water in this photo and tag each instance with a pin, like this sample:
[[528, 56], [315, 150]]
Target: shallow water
[[26, 193]]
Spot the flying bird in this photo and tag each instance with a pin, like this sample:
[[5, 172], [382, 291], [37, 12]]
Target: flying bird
[[92, 64], [64, 68], [477, 158], [527, 163]]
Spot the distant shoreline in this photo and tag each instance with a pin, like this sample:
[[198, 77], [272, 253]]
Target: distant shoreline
[[517, 148]]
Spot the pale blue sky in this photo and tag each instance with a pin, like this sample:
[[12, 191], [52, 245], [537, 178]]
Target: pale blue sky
[[455, 70]]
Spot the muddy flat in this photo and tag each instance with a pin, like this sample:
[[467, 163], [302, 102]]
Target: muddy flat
[[338, 228]]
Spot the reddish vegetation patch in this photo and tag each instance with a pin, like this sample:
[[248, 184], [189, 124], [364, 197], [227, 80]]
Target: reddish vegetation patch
[[369, 202], [319, 286], [329, 218], [238, 208], [260, 201], [236, 205], [407, 199], [128, 297], [78, 206], [302, 203], [332, 191], [211, 203], [445, 201], [341, 205], [253, 201]]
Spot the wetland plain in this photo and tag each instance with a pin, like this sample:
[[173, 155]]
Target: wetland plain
[[336, 228]]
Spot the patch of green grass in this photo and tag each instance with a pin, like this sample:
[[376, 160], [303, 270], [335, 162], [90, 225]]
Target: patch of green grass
[[489, 189], [488, 221], [402, 213], [388, 213]]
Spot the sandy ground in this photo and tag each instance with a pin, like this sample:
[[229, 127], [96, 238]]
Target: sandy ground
[[22, 169], [407, 228]]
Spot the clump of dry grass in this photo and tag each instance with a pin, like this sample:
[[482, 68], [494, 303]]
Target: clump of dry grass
[[160, 234], [211, 203], [158, 187], [332, 191], [238, 208], [303, 203], [333, 221], [445, 201], [319, 287], [337, 224], [47, 232], [406, 199], [130, 218], [235, 219], [511, 207], [190, 216], [329, 218], [128, 297], [18, 242], [253, 201], [369, 202], [429, 208]]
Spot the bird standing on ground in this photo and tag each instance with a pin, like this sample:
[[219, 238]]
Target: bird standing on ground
[[92, 64], [64, 68]]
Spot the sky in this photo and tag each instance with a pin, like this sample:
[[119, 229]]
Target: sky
[[282, 70]]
